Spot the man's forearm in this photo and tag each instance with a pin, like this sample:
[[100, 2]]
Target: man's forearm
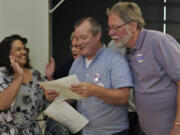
[[114, 96]]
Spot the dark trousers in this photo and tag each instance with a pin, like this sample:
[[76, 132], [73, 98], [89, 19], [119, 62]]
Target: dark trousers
[[125, 132], [55, 128], [134, 126]]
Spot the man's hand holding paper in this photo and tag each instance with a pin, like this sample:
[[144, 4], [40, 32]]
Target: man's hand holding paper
[[50, 94], [59, 110], [62, 87]]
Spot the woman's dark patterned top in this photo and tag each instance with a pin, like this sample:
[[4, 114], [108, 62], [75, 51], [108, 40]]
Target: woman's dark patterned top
[[20, 118]]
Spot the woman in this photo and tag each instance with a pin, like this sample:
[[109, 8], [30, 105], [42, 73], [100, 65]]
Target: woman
[[21, 99]]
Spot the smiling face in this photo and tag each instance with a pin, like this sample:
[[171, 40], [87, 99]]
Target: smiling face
[[75, 50], [87, 42], [19, 51], [119, 30]]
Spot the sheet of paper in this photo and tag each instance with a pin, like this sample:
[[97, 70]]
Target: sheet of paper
[[65, 114], [62, 86]]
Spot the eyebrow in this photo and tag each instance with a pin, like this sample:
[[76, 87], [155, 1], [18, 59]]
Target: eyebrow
[[83, 35], [19, 47]]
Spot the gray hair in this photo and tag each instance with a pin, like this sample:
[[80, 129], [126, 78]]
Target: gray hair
[[128, 11], [95, 25]]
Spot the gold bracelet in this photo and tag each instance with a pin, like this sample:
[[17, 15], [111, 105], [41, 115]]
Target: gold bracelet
[[177, 124]]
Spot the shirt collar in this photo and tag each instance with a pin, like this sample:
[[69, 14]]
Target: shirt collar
[[140, 39], [100, 50]]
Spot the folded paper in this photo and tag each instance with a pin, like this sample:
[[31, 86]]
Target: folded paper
[[62, 86]]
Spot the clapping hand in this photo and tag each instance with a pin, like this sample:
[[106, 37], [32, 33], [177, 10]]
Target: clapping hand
[[17, 69], [50, 67]]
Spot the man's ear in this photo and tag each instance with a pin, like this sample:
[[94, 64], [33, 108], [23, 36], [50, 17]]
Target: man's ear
[[133, 26], [98, 36]]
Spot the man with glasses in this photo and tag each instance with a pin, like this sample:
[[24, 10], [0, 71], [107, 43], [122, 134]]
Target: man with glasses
[[105, 80], [134, 127], [154, 60]]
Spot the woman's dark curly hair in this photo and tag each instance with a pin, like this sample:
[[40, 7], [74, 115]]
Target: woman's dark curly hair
[[5, 49]]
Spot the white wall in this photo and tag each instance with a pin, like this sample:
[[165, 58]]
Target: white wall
[[29, 18]]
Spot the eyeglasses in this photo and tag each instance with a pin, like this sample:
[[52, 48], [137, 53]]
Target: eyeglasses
[[74, 46], [117, 27]]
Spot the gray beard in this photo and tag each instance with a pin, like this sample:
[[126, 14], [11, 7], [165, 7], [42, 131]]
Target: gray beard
[[125, 39], [119, 45]]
